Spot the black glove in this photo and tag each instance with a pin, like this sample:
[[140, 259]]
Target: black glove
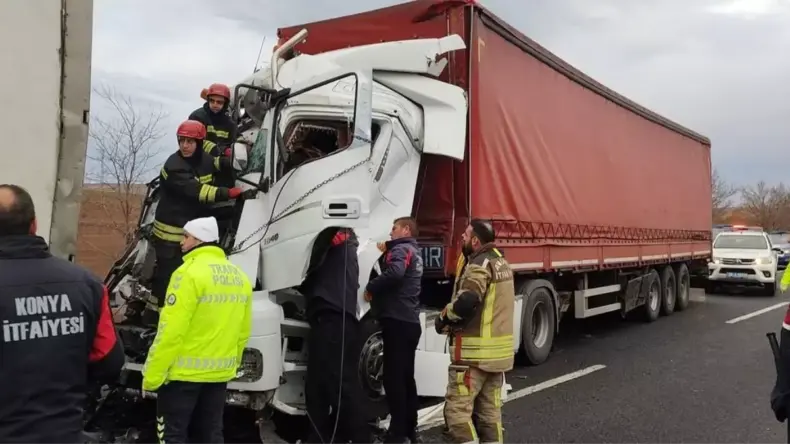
[[439, 324], [249, 194]]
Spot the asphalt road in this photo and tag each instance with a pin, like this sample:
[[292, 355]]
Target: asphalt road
[[689, 377]]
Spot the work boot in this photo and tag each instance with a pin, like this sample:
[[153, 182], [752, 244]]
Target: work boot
[[415, 438]]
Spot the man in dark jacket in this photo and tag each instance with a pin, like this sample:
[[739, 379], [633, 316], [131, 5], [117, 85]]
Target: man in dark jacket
[[187, 191], [780, 395], [331, 288], [395, 296], [58, 334]]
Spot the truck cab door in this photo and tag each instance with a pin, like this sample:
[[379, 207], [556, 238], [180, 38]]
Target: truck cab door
[[329, 190]]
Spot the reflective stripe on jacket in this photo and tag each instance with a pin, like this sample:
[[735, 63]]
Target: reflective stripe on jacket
[[205, 323], [486, 341]]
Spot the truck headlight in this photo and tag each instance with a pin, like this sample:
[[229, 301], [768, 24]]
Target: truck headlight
[[765, 260], [716, 260], [251, 367]]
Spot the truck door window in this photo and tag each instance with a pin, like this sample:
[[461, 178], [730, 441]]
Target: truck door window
[[257, 157]]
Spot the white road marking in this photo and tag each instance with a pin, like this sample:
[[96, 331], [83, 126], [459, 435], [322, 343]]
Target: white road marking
[[756, 313], [433, 416]]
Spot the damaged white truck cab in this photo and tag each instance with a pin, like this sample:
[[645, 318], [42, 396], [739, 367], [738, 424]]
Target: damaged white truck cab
[[334, 140], [338, 139]]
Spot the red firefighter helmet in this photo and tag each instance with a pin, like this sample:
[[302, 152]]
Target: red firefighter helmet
[[218, 89], [191, 129]]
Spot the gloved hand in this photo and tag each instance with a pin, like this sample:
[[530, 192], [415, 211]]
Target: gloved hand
[[440, 324], [228, 152], [249, 194], [235, 192], [368, 296]]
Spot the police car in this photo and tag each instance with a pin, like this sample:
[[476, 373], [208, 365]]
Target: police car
[[743, 257]]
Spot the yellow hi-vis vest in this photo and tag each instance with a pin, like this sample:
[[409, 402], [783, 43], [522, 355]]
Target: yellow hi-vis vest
[[204, 324], [486, 341]]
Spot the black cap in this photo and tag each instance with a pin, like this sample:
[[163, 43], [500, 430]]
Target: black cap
[[483, 230]]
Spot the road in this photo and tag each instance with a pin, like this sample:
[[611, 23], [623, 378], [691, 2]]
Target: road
[[690, 377]]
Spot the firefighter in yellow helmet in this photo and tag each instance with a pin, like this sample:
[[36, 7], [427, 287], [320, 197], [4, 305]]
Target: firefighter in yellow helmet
[[479, 322], [202, 331]]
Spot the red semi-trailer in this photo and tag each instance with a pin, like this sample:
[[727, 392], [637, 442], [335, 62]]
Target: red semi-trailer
[[599, 204]]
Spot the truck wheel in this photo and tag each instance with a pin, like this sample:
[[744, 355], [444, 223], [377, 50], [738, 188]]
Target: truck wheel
[[370, 368], [683, 285], [538, 325], [769, 290], [668, 291], [652, 307]]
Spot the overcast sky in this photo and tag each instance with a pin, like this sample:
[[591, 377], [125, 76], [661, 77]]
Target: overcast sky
[[719, 67]]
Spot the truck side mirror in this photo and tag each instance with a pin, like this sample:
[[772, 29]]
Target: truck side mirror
[[239, 157]]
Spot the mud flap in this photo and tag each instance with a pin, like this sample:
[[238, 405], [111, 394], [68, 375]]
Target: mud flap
[[635, 293]]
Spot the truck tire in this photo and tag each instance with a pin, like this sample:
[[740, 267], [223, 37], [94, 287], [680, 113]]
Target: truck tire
[[652, 306], [370, 370], [769, 290], [668, 291], [683, 284], [538, 324]]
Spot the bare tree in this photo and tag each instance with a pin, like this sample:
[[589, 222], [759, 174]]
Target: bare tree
[[721, 193], [124, 147], [767, 206]]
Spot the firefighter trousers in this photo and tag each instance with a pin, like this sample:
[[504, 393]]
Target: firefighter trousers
[[472, 392], [192, 410], [400, 346], [168, 258], [325, 347]]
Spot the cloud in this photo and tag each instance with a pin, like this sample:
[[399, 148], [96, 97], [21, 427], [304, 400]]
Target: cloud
[[716, 66]]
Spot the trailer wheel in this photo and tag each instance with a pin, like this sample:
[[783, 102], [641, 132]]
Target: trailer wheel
[[370, 369], [538, 325], [683, 283], [668, 291], [652, 306]]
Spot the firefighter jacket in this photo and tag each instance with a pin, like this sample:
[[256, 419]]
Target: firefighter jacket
[[485, 340], [187, 192], [220, 129], [57, 336], [204, 324]]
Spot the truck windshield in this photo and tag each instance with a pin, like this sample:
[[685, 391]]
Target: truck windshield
[[778, 239], [746, 242]]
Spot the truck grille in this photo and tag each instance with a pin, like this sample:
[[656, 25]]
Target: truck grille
[[736, 270], [737, 261]]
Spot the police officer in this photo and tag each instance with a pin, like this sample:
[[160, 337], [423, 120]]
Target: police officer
[[187, 191], [331, 288], [57, 330], [202, 332], [479, 321], [395, 297]]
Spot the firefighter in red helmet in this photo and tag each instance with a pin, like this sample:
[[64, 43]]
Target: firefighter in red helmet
[[220, 135], [220, 129], [187, 191]]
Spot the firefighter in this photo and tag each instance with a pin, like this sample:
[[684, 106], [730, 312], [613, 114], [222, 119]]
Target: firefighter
[[220, 128], [395, 297], [58, 334], [187, 191], [199, 343], [331, 287], [780, 395], [479, 322], [220, 135]]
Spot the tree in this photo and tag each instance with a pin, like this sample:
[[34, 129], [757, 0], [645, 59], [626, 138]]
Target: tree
[[721, 193], [767, 206], [123, 151]]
